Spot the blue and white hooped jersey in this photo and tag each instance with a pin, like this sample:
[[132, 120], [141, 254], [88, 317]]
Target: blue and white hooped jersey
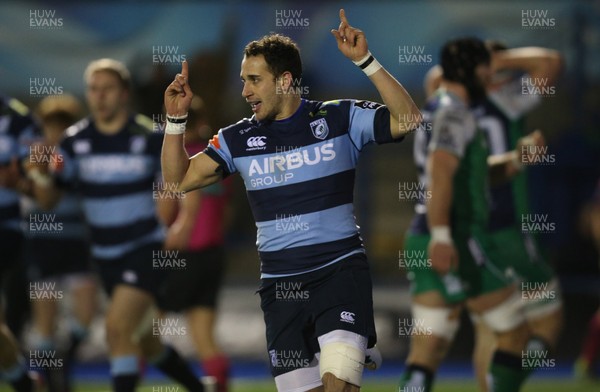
[[115, 175], [17, 132], [299, 177]]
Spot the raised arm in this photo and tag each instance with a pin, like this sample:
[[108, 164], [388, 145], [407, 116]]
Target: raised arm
[[539, 63], [177, 167], [404, 114]]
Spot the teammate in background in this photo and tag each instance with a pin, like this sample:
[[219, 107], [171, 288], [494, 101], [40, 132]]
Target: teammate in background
[[297, 158], [450, 228], [197, 232], [590, 348], [113, 157], [58, 254], [501, 117], [17, 132]]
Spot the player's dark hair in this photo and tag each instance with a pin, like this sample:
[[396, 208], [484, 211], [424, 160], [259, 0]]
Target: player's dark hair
[[459, 58], [281, 54]]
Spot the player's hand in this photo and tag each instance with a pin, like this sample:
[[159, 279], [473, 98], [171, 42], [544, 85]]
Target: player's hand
[[443, 257], [529, 147], [350, 40], [178, 95]]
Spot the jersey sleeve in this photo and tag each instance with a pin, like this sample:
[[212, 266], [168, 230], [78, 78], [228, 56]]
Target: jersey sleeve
[[219, 151], [513, 101], [452, 130], [369, 122]]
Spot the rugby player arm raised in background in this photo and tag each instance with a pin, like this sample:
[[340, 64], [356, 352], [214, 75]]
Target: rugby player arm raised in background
[[177, 167], [404, 114]]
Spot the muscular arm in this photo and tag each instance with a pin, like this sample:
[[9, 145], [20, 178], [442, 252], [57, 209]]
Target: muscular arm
[[177, 168], [202, 171], [404, 114], [441, 167], [179, 234]]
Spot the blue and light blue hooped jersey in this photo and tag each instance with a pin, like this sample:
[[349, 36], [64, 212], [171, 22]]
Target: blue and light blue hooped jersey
[[299, 177], [17, 132], [115, 175]]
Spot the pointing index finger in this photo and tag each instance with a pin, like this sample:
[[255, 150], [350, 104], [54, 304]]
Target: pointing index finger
[[184, 69], [343, 18]]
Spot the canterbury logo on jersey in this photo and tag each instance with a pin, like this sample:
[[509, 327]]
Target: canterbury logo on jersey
[[293, 160], [256, 143]]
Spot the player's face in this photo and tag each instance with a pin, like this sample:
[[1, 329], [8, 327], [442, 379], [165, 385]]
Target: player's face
[[260, 88], [106, 96]]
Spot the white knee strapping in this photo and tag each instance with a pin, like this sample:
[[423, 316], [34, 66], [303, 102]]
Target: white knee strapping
[[343, 355], [436, 320], [506, 316], [300, 380]]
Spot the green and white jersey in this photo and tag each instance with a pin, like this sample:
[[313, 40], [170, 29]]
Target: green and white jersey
[[454, 129]]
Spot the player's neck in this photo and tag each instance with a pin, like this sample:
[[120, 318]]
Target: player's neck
[[289, 107], [113, 125]]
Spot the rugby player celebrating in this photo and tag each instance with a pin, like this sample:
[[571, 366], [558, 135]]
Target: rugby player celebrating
[[297, 158]]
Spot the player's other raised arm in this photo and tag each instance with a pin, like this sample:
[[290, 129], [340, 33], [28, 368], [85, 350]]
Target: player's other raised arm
[[177, 167], [404, 114]]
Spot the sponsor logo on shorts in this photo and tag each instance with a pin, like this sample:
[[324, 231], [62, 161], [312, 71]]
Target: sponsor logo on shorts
[[347, 317]]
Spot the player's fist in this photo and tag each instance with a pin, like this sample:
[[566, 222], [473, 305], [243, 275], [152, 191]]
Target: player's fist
[[178, 95], [350, 40], [443, 257]]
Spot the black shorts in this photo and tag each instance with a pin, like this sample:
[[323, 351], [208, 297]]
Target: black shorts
[[10, 247], [134, 269], [195, 285], [55, 257], [300, 308]]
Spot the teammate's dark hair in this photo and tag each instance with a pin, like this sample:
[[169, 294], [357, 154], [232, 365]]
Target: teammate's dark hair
[[459, 58], [281, 54]]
